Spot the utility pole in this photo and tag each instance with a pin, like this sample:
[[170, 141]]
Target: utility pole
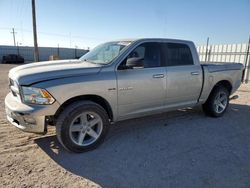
[[246, 62], [247, 54], [13, 33], [17, 48], [36, 53], [207, 49]]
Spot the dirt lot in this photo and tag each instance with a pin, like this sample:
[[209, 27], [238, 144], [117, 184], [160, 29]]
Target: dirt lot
[[177, 149]]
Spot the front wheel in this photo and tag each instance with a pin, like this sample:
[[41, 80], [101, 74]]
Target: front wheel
[[217, 102], [82, 126]]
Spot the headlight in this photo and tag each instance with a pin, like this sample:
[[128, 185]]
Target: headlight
[[36, 96]]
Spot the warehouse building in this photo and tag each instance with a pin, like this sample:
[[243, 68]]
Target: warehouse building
[[44, 52]]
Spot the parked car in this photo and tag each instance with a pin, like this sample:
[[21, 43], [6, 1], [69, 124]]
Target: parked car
[[116, 81], [12, 58]]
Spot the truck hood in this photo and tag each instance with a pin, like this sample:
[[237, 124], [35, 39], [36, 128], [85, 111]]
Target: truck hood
[[49, 70]]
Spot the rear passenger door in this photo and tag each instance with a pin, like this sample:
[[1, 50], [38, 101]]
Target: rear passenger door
[[184, 77]]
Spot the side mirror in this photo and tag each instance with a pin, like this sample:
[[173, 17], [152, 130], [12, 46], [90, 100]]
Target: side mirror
[[134, 62]]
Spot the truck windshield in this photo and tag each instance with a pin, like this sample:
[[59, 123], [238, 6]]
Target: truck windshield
[[104, 53]]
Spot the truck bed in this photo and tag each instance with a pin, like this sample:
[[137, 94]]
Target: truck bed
[[214, 72], [221, 66]]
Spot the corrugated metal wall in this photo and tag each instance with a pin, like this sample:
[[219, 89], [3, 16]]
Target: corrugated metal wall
[[227, 53], [44, 52]]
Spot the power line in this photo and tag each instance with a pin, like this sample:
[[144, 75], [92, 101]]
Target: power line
[[57, 34]]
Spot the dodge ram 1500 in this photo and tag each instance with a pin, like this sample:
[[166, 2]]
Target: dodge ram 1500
[[115, 81]]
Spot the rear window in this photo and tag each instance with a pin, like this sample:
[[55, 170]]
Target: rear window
[[177, 54]]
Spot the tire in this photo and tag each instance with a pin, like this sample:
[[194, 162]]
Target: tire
[[76, 123], [214, 108]]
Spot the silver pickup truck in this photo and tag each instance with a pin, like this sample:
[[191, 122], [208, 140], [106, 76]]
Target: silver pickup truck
[[115, 81]]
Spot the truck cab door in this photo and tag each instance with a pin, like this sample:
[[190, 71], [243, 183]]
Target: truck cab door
[[141, 81], [184, 75]]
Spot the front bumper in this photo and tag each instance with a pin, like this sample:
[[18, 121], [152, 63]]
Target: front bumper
[[29, 118]]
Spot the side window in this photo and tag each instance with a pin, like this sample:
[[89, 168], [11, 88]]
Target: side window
[[146, 55], [177, 54], [139, 52]]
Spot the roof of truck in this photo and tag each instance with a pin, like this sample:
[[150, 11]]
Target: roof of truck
[[163, 39]]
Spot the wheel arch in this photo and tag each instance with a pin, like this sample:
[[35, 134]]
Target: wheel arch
[[94, 98], [208, 106], [225, 83]]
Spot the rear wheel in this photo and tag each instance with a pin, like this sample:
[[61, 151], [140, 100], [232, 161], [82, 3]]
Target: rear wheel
[[82, 126], [217, 102]]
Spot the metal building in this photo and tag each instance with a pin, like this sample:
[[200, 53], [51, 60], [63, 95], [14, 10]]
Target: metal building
[[44, 52]]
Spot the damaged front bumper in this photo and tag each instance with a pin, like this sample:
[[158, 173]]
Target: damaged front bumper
[[29, 118]]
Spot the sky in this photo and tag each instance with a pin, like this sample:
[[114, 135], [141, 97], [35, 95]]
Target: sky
[[87, 23]]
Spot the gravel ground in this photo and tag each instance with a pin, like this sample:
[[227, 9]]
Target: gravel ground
[[176, 149]]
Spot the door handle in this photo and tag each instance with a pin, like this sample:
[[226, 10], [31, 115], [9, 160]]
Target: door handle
[[158, 76], [195, 73]]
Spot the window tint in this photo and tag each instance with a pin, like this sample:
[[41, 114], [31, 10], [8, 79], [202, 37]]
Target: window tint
[[177, 54], [149, 53]]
